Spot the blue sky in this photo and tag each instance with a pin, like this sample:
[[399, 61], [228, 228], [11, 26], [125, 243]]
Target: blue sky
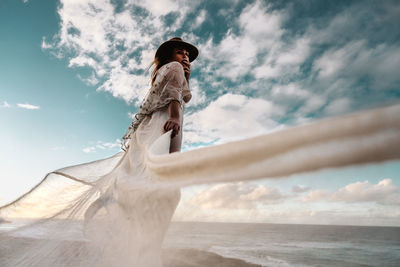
[[73, 72]]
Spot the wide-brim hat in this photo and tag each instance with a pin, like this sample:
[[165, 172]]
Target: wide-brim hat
[[178, 42]]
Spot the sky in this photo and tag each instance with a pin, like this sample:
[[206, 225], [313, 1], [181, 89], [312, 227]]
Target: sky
[[73, 73]]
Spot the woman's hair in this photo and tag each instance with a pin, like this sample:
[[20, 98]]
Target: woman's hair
[[160, 61]]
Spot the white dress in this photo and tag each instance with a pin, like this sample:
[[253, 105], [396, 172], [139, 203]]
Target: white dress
[[143, 209], [124, 213]]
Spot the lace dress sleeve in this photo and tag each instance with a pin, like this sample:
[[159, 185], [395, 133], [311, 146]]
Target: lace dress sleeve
[[175, 86]]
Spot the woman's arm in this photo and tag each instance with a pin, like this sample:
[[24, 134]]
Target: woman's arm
[[176, 76], [173, 123], [176, 92]]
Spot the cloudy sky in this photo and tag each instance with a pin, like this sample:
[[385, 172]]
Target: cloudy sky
[[72, 73]]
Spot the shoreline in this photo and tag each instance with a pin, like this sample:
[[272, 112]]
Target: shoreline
[[196, 258], [171, 257]]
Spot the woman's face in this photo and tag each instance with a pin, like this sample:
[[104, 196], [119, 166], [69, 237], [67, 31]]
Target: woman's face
[[181, 55]]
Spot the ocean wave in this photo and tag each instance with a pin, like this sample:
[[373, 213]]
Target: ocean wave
[[250, 255]]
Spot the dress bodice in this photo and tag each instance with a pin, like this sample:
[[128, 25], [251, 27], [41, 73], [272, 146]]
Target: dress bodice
[[169, 85]]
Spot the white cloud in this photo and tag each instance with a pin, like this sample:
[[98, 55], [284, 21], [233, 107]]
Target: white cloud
[[284, 59], [92, 34], [231, 117], [291, 91], [338, 106], [260, 32], [102, 146], [198, 95], [312, 104], [330, 63], [296, 53], [300, 189], [262, 28], [126, 86], [5, 105], [384, 193], [89, 149], [44, 44], [200, 19], [260, 24], [237, 53], [131, 115], [315, 195], [91, 80], [282, 213], [236, 196], [158, 8], [358, 59], [334, 78], [27, 106]]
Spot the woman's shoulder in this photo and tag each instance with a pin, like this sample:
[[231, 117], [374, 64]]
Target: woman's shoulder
[[171, 70], [172, 66]]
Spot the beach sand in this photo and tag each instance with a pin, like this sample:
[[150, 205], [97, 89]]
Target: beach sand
[[170, 257], [197, 258]]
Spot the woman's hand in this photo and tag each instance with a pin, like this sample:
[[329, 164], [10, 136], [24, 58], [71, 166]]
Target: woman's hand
[[174, 125], [174, 122], [186, 68], [182, 56]]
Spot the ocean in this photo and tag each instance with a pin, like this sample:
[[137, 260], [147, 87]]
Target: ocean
[[279, 244], [291, 245]]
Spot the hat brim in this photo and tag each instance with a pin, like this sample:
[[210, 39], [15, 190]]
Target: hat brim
[[193, 51]]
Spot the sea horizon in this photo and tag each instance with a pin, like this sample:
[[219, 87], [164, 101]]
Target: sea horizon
[[314, 224], [6, 220]]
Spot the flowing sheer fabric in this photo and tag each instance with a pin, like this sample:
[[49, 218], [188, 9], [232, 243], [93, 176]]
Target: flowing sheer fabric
[[115, 212], [105, 213]]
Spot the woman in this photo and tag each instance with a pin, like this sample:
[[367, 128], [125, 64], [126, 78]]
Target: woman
[[134, 202]]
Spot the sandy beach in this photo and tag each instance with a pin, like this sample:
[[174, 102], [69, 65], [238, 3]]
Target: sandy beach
[[197, 258]]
